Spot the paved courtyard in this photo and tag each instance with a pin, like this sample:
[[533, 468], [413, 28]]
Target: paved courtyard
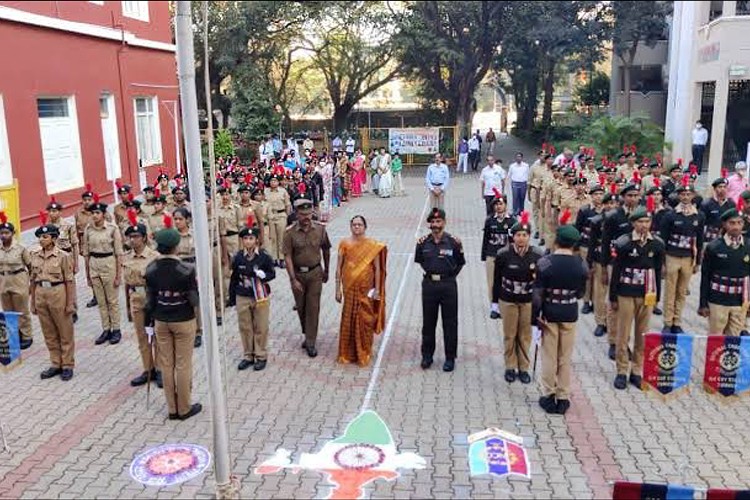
[[77, 439]]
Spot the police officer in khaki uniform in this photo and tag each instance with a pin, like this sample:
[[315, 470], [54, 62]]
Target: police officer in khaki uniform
[[279, 207], [14, 279], [304, 241], [52, 300], [171, 299], [134, 265], [102, 251]]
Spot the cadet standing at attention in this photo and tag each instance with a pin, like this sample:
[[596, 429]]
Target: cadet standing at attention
[[67, 241], [134, 265], [52, 300], [82, 219], [495, 238], [14, 279], [279, 207], [560, 282], [304, 242], [442, 258], [102, 251]]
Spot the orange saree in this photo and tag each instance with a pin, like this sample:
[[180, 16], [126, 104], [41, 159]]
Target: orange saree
[[362, 317]]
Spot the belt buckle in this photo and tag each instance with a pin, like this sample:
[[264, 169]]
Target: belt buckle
[[46, 284], [304, 269], [435, 277]]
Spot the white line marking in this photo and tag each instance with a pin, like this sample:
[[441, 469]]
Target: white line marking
[[392, 318]]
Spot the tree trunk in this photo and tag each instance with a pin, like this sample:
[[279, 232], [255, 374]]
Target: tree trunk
[[340, 116], [464, 113], [626, 88], [549, 89], [528, 106]]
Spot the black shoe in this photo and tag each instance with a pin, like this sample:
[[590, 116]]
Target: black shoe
[[524, 377], [198, 341], [600, 331], [219, 321], [744, 333], [666, 329], [141, 379], [635, 380], [26, 343], [103, 337], [449, 365], [66, 374], [92, 302], [562, 406], [426, 363], [612, 352], [115, 337], [311, 351], [548, 403], [536, 235], [173, 416], [260, 365], [494, 315], [75, 318], [245, 364], [157, 377], [541, 242], [587, 308], [304, 344], [194, 410], [621, 382], [510, 376], [657, 311], [51, 372], [677, 329], [282, 264]]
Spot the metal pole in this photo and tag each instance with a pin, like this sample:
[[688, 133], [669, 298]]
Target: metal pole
[[175, 119], [189, 105]]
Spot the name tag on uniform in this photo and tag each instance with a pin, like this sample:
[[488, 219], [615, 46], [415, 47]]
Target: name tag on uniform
[[304, 269], [435, 277], [446, 251], [46, 284]]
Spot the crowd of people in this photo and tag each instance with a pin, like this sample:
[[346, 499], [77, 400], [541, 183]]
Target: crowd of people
[[268, 216]]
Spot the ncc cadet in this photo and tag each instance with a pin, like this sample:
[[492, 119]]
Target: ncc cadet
[[656, 178], [515, 271], [252, 269], [120, 210], [682, 232], [671, 184], [634, 291], [279, 207], [745, 212], [565, 195], [162, 184], [66, 241], [725, 278], [714, 207], [156, 219], [102, 253], [52, 300], [617, 223], [134, 265], [441, 256], [179, 198], [258, 195], [227, 213], [583, 224], [246, 206], [82, 218], [495, 238], [560, 282], [549, 184], [536, 176], [598, 266], [14, 279], [147, 207], [303, 244], [171, 299]]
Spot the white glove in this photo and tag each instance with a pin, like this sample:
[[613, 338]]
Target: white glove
[[150, 333], [260, 273], [372, 293]]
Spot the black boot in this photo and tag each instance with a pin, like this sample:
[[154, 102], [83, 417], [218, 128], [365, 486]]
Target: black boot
[[612, 352], [510, 376], [562, 406], [548, 403], [75, 318], [103, 337], [92, 302], [600, 331], [115, 337], [657, 311], [51, 372], [524, 377], [198, 341], [587, 308], [140, 380], [26, 343], [194, 410], [259, 365], [156, 375], [635, 380], [620, 382]]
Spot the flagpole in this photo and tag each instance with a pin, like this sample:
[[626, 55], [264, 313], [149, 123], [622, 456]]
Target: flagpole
[[226, 485]]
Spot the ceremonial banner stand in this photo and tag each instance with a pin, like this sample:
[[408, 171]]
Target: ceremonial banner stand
[[10, 355]]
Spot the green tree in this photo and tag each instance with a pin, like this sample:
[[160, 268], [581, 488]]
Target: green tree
[[448, 48], [636, 24], [223, 145], [608, 134], [253, 109], [593, 92]]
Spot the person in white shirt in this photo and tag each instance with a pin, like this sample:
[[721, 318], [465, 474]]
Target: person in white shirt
[[700, 139], [266, 150], [436, 181], [518, 171], [350, 143], [492, 177], [337, 143], [474, 149]]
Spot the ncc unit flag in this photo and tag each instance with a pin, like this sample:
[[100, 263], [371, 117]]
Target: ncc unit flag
[[497, 452], [667, 362], [649, 491], [722, 494], [10, 342], [727, 365]]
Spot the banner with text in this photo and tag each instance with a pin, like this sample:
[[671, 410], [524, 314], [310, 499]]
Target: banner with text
[[10, 342], [667, 360], [727, 365], [418, 141]]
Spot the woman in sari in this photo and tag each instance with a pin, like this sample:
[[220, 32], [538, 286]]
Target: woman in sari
[[326, 200], [360, 283], [357, 171]]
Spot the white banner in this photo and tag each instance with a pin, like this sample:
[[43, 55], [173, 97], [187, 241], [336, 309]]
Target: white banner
[[414, 140]]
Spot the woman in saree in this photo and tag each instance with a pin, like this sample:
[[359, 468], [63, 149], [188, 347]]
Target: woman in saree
[[358, 170], [360, 283]]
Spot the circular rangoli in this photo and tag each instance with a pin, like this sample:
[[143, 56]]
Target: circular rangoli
[[170, 464]]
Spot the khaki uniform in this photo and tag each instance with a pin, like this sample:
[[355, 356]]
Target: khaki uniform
[[228, 217], [14, 284], [304, 249], [626, 170], [557, 350], [82, 219], [134, 269], [536, 177], [573, 203], [279, 205], [147, 209], [155, 222], [102, 247], [51, 277], [69, 242], [121, 213], [648, 182], [548, 191]]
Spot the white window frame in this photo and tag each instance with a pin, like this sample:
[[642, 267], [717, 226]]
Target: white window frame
[[135, 9], [55, 186], [5, 178], [157, 158]]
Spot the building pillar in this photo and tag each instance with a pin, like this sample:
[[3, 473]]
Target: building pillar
[[718, 125], [728, 8]]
